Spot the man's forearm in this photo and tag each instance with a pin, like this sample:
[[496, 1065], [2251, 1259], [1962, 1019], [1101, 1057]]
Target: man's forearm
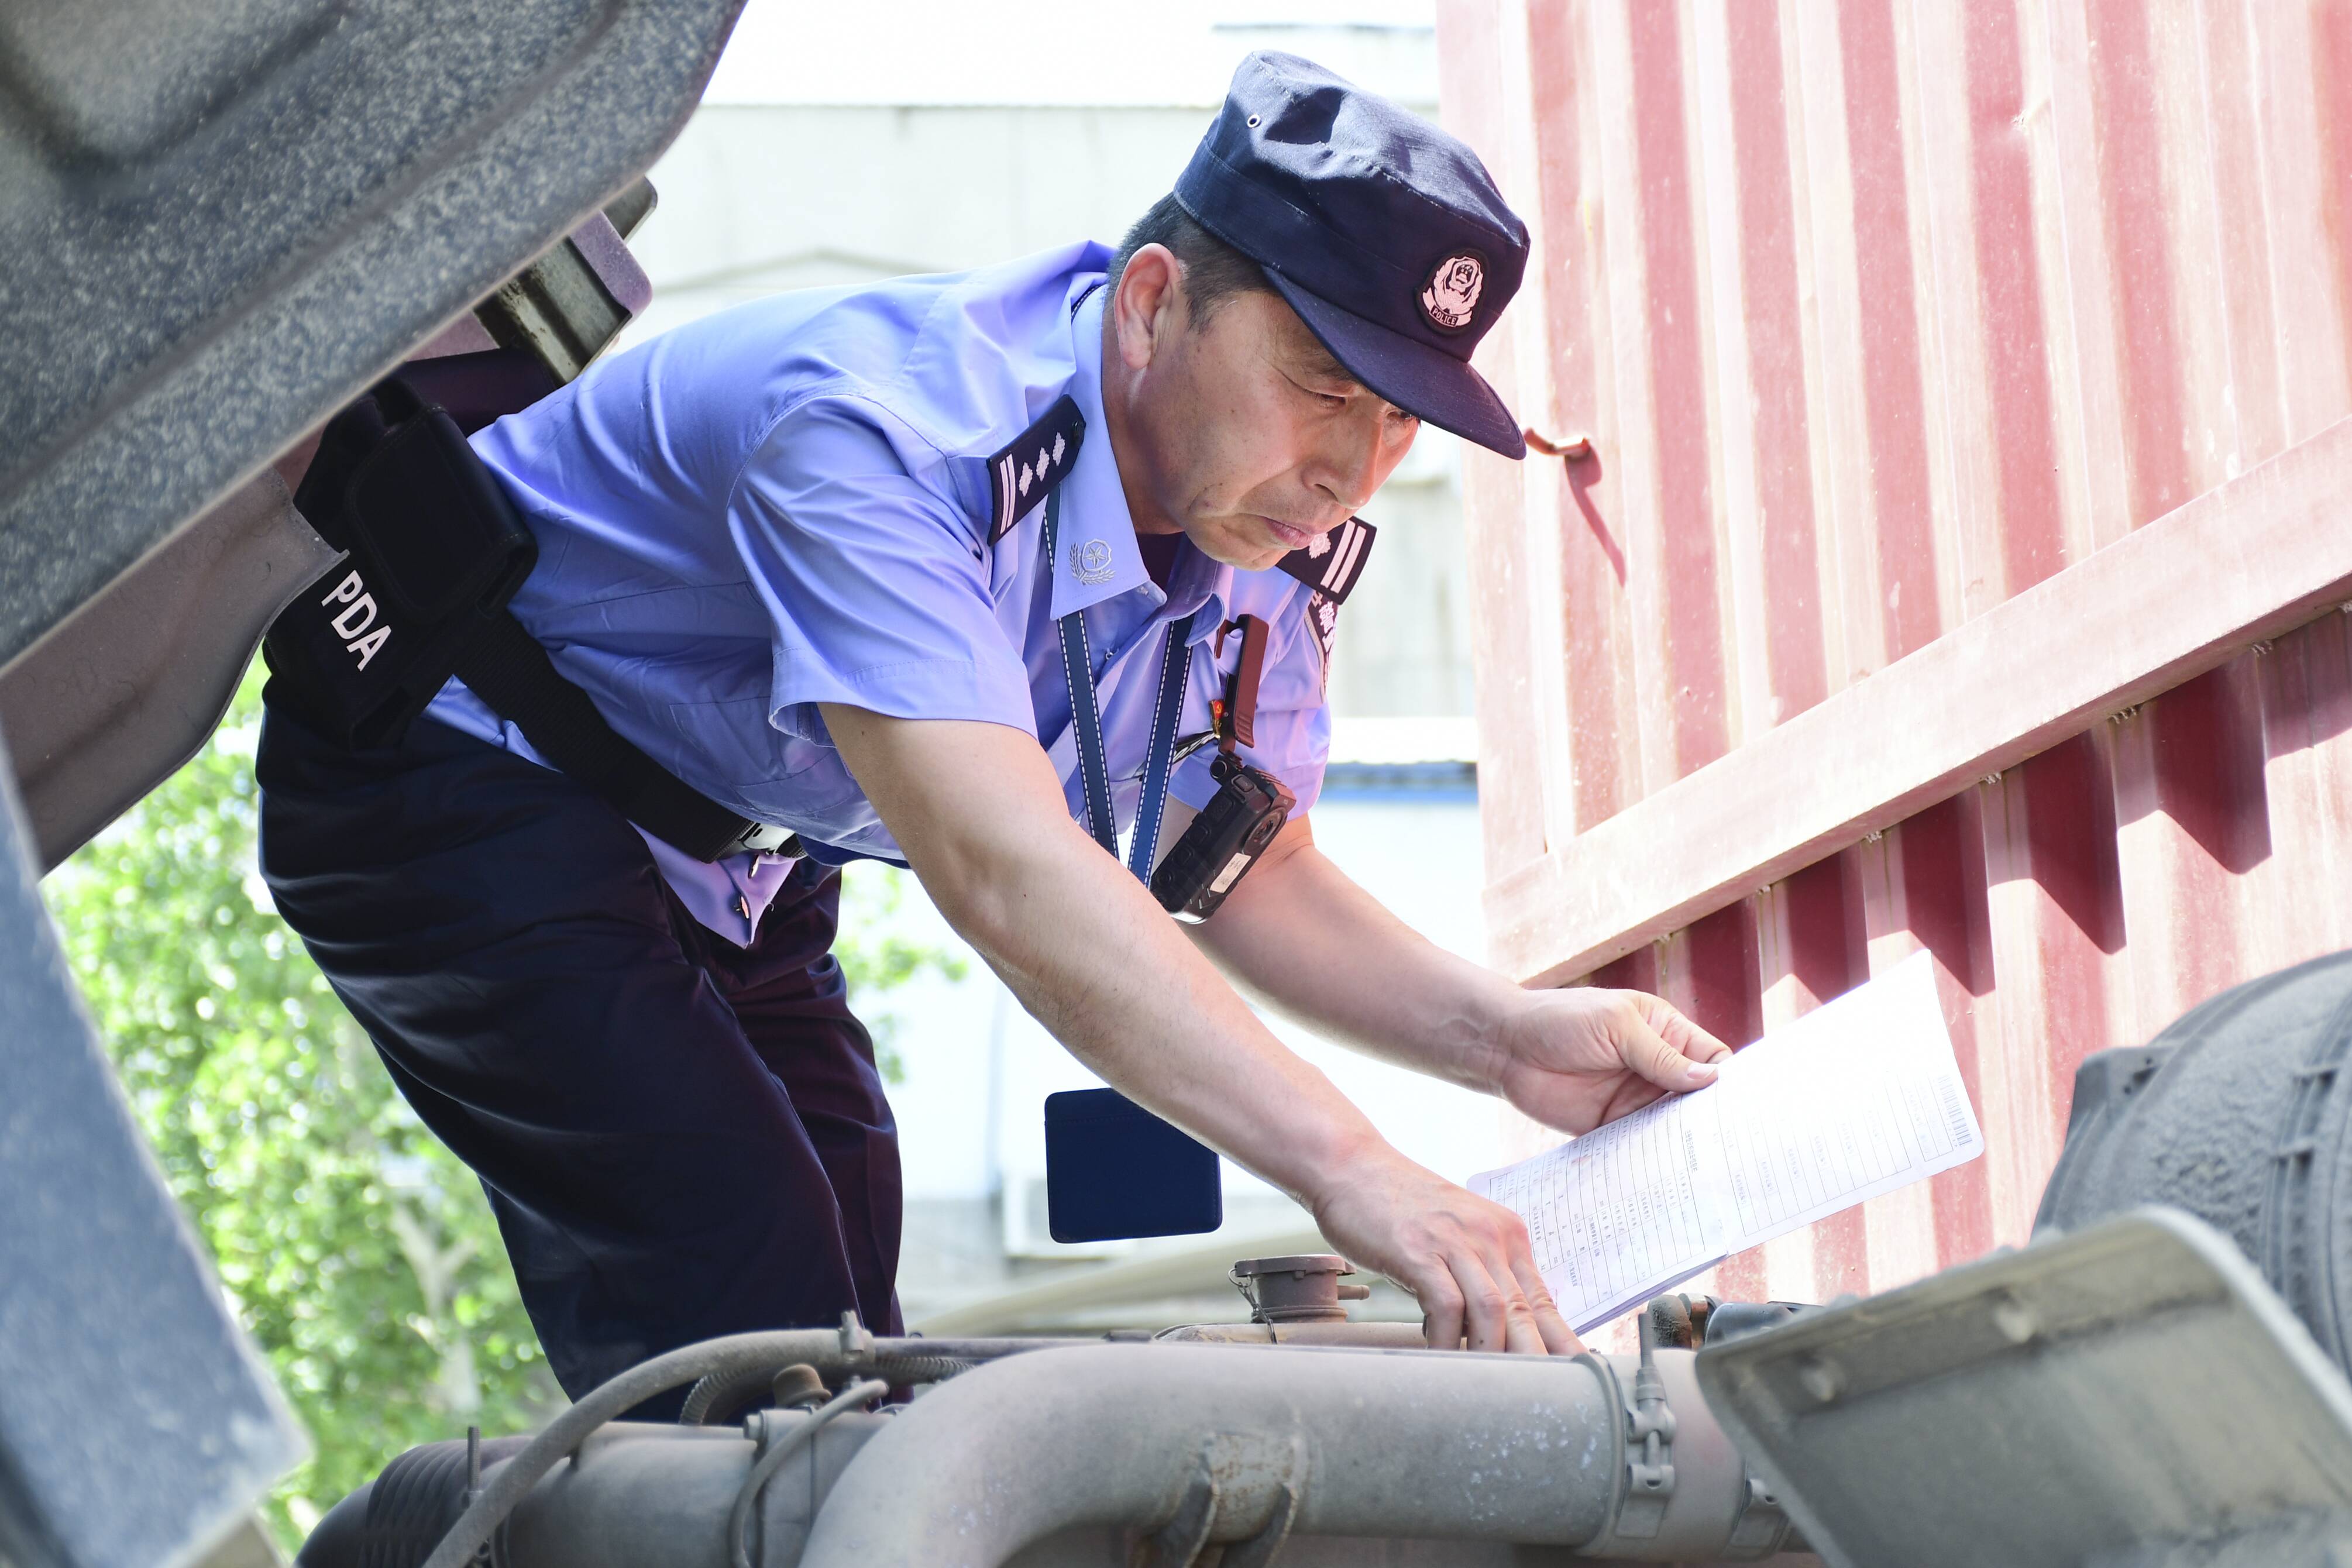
[[1103, 968], [1095, 959], [1300, 934]]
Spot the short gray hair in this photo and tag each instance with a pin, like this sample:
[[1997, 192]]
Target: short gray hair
[[1214, 271]]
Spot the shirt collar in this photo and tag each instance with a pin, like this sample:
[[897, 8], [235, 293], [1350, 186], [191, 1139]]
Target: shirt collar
[[1098, 559], [1207, 586], [1094, 507]]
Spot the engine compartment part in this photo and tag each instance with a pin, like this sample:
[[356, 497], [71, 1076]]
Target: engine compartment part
[[1304, 1288], [1693, 1322], [565, 307], [632, 1495], [720, 1397], [1243, 1446], [848, 1351], [2238, 1114], [2129, 1393], [2124, 1391], [1320, 1455], [109, 702], [781, 1448], [2132, 1393], [137, 1424], [112, 701], [386, 167], [1355, 1336]]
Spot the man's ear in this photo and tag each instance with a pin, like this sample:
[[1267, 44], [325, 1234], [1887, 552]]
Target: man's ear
[[1148, 309]]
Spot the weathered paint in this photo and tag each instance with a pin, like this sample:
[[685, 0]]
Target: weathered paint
[[1880, 313]]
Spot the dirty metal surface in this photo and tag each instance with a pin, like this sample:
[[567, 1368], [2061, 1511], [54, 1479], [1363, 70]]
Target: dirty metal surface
[[223, 221], [109, 702], [2090, 1396], [1877, 316], [137, 1424], [115, 698]]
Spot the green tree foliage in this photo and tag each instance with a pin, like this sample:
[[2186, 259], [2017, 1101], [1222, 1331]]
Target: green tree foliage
[[879, 954], [360, 1253]]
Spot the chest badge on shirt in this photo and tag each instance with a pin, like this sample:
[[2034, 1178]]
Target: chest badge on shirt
[[1029, 466], [1091, 562]]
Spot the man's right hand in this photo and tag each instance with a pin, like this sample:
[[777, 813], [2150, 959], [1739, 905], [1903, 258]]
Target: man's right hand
[[1464, 1259]]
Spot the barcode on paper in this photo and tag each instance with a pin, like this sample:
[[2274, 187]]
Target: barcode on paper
[[1955, 1112]]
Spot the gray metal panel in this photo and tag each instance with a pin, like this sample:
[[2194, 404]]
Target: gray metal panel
[[2128, 1384], [115, 699], [225, 219], [109, 702], [137, 1426]]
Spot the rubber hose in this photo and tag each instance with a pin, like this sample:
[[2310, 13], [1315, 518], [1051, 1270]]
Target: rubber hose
[[715, 1399], [820, 1348], [722, 1394], [905, 1371]]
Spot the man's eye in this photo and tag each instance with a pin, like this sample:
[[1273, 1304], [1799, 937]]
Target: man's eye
[[1333, 400]]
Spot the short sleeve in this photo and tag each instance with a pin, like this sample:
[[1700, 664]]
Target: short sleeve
[[870, 572], [1293, 727]]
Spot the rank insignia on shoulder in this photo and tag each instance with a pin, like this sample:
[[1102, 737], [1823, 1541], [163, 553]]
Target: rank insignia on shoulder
[[1032, 464], [1332, 563], [1323, 621]]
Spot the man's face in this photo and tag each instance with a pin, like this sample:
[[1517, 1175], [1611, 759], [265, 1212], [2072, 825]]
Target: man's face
[[1241, 431]]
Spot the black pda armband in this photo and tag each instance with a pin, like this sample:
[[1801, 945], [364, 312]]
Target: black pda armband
[[433, 548], [1251, 804]]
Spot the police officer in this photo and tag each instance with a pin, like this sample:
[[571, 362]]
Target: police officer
[[794, 552]]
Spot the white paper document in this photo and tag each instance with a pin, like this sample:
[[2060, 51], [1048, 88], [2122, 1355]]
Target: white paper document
[[1857, 1098]]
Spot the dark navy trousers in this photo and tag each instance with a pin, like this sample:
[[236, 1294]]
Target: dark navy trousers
[[680, 1138]]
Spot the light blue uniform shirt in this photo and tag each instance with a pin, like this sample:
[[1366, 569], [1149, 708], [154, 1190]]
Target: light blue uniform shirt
[[788, 503]]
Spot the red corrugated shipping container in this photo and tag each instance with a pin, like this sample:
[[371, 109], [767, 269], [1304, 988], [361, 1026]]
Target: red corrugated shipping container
[[1963, 554]]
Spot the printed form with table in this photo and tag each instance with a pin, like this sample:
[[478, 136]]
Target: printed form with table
[[1859, 1096]]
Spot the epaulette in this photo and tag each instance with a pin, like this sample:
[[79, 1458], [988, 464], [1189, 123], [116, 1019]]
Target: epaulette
[[1330, 564], [1030, 465]]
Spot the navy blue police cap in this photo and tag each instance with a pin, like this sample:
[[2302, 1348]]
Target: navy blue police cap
[[1385, 234]]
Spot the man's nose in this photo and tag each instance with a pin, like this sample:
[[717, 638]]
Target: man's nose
[[1349, 470]]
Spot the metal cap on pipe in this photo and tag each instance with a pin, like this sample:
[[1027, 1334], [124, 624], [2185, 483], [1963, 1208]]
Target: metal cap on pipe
[[1302, 1287]]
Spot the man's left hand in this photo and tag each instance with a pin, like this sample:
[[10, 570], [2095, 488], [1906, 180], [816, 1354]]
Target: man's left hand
[[1575, 1059]]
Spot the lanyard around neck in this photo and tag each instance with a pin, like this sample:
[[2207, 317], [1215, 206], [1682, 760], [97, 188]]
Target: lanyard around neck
[[1086, 720]]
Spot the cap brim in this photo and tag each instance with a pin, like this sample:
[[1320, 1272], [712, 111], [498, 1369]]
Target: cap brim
[[1425, 382]]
